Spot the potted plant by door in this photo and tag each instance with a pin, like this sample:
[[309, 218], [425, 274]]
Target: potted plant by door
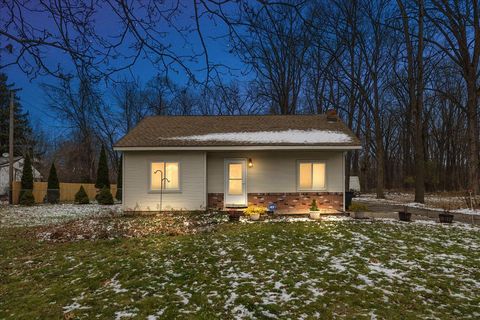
[[254, 212], [314, 212], [358, 210], [404, 215]]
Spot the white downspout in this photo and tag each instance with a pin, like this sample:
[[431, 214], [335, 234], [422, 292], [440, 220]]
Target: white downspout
[[343, 180], [205, 180], [123, 181]]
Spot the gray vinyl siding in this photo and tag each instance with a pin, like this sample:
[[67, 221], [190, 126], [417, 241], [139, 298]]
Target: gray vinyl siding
[[136, 177], [275, 171]]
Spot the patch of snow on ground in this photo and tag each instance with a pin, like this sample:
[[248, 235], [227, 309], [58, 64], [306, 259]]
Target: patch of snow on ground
[[366, 279], [75, 305], [286, 136], [125, 314], [241, 312], [157, 314], [116, 286], [468, 212], [390, 273], [338, 264], [184, 296], [43, 214]]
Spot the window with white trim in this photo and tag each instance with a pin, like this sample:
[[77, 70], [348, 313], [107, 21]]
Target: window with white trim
[[311, 175], [164, 175]]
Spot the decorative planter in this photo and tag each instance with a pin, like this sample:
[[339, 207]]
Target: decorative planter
[[358, 215], [405, 216], [445, 217], [255, 216], [315, 215]]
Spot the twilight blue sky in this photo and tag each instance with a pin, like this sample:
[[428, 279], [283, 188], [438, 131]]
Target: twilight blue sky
[[107, 24]]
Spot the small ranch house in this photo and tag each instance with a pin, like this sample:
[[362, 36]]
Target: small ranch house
[[200, 162], [17, 172]]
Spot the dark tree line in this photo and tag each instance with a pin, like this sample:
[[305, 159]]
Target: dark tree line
[[403, 75], [23, 133]]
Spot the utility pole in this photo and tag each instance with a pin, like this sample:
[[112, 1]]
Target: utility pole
[[10, 149]]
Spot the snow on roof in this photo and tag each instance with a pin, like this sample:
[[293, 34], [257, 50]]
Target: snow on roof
[[285, 136]]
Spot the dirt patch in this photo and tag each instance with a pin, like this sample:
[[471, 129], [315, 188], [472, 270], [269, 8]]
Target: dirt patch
[[172, 223]]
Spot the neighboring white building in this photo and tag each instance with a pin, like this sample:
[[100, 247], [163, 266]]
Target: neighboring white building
[[354, 184], [221, 162], [17, 172]]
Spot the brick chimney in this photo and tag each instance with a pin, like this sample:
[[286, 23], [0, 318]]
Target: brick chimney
[[332, 115]]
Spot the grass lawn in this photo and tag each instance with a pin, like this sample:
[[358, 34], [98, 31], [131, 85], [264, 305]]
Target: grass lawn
[[260, 270]]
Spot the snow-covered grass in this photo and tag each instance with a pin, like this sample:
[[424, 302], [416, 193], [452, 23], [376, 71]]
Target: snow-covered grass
[[44, 214], [285, 136], [434, 202], [330, 269]]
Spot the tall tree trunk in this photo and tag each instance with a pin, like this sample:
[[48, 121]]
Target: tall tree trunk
[[415, 94], [472, 127], [418, 115], [379, 149]]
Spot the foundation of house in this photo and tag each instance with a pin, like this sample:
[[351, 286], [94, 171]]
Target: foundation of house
[[287, 203]]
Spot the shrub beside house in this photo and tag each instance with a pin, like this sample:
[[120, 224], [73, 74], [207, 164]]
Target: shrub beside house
[[53, 188], [26, 194]]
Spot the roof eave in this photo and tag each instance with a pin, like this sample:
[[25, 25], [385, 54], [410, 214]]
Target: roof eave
[[244, 147]]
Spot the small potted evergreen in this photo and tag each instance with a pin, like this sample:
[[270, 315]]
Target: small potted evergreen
[[405, 215], [315, 213], [254, 212], [358, 210], [446, 216]]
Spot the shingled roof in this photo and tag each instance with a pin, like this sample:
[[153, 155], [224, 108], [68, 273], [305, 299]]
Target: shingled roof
[[251, 130]]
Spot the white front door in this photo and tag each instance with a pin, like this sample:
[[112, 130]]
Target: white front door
[[235, 183]]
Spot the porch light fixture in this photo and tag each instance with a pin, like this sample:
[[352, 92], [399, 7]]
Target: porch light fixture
[[250, 163]]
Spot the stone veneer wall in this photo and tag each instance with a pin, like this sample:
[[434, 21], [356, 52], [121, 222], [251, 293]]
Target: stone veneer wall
[[294, 202]]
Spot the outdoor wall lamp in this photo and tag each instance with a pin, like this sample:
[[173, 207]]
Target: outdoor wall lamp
[[250, 163]]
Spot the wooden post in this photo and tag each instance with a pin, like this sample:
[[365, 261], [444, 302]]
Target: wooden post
[[10, 148]]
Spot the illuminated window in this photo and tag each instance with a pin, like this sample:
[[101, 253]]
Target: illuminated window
[[311, 175], [235, 179], [164, 174]]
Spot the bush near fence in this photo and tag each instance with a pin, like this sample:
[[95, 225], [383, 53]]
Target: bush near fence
[[67, 191]]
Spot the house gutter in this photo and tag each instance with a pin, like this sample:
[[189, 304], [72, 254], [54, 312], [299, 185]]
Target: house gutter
[[239, 148]]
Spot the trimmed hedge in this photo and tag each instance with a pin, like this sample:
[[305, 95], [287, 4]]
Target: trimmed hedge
[[27, 176], [105, 196], [81, 196], [27, 199], [102, 171], [53, 188]]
